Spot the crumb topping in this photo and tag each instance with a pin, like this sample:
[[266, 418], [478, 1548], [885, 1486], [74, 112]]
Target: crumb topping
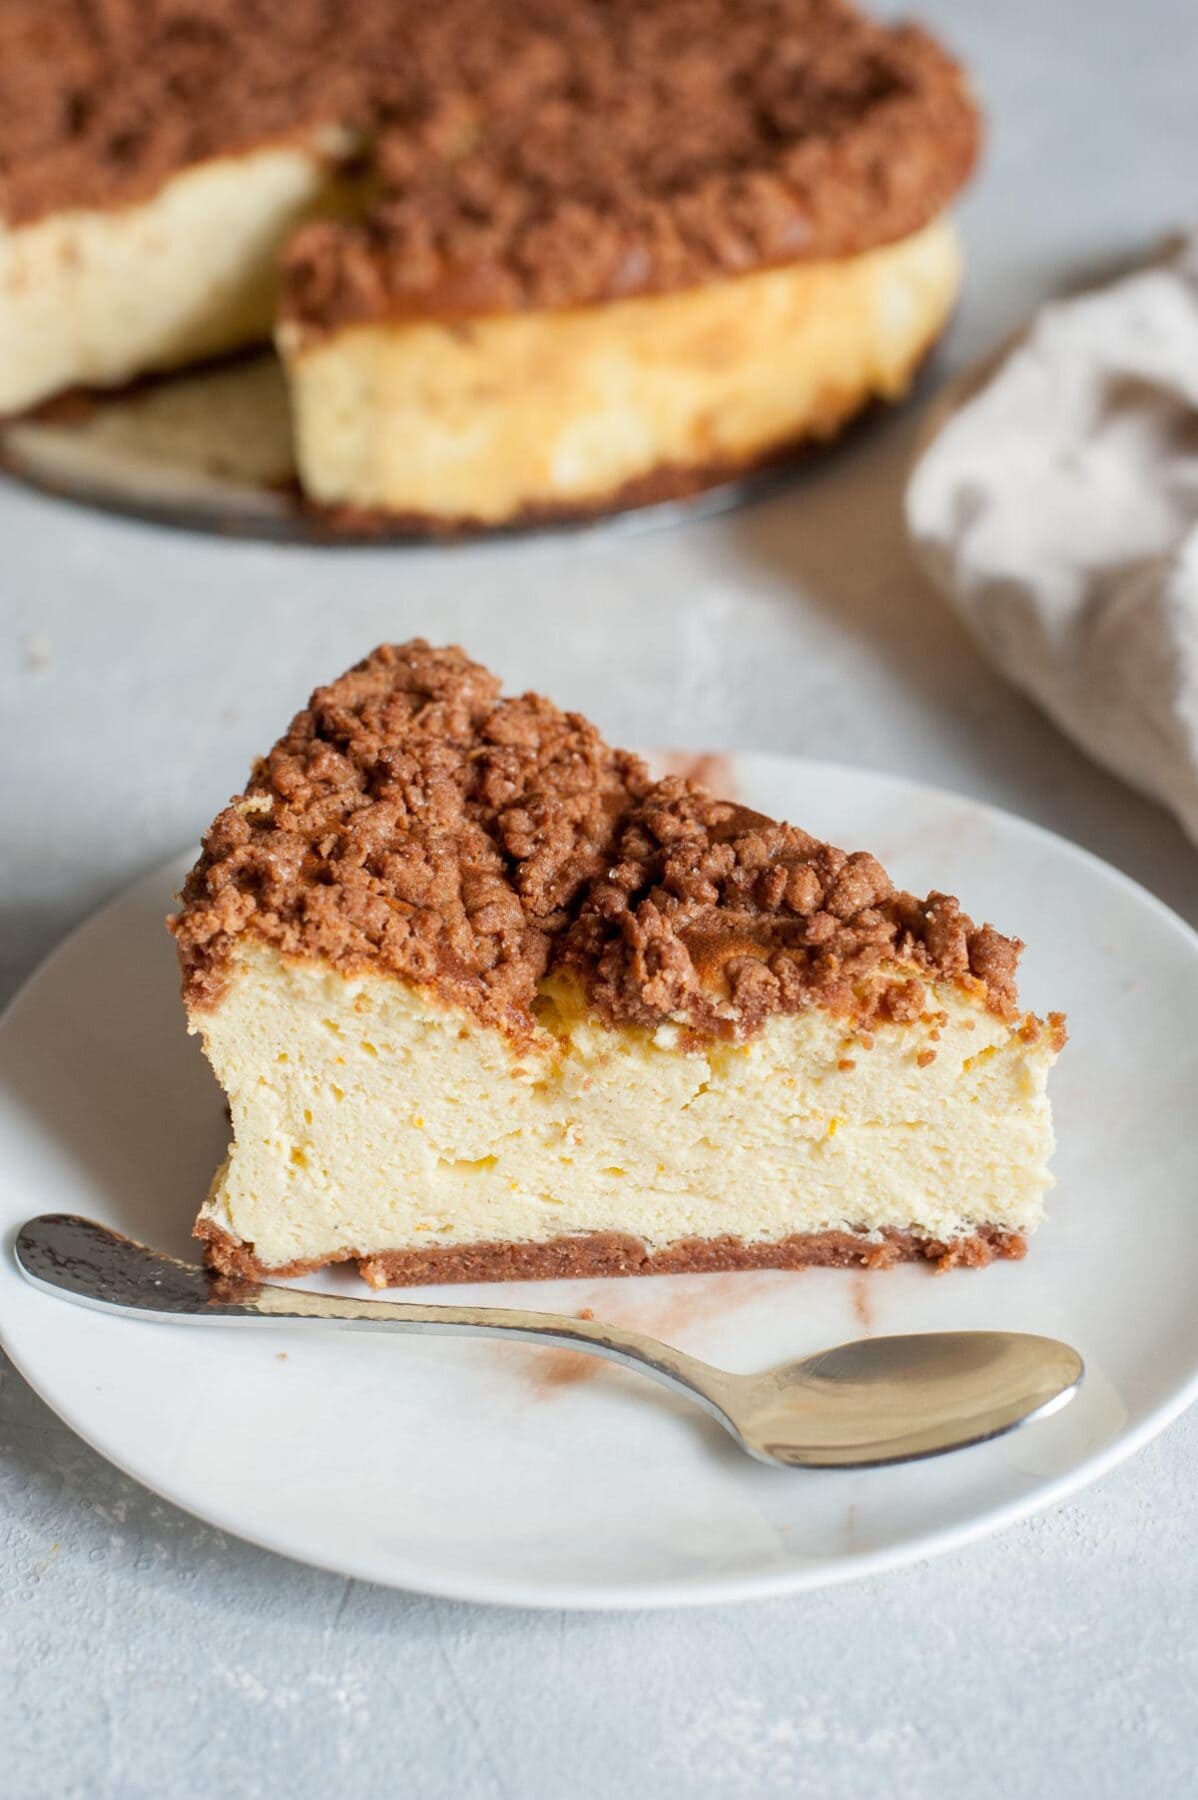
[[570, 152], [102, 100], [716, 917], [412, 821], [522, 152]]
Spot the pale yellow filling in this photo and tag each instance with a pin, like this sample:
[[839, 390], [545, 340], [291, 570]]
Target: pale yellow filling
[[368, 1117], [93, 297], [479, 419]]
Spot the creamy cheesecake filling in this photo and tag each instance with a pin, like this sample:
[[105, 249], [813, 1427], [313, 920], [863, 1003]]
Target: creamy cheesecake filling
[[478, 420], [93, 297], [369, 1117]]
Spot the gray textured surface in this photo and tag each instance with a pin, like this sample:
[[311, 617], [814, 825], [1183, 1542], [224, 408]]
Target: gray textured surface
[[143, 1654]]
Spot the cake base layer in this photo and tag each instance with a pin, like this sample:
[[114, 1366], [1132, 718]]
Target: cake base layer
[[661, 486], [612, 1253], [542, 414]]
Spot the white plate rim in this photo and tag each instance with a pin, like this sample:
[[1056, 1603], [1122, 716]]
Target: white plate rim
[[849, 1566]]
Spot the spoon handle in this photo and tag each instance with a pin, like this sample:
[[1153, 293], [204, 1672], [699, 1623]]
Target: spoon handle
[[616, 1343], [869, 1402], [84, 1262]]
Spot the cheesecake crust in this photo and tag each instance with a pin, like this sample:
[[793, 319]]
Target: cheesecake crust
[[613, 1253], [523, 152], [413, 822]]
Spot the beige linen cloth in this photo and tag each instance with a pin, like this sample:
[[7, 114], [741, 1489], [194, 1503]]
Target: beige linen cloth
[[1057, 508]]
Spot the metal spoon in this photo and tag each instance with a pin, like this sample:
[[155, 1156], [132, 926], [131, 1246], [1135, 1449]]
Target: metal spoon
[[879, 1400]]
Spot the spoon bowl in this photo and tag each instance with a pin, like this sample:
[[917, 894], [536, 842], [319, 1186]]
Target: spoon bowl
[[893, 1399]]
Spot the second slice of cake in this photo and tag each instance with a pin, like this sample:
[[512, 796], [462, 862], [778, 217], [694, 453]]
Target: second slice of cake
[[489, 1002]]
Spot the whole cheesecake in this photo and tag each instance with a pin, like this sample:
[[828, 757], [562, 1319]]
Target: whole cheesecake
[[524, 259], [489, 1002]]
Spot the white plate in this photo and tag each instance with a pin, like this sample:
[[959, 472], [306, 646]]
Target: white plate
[[504, 1473]]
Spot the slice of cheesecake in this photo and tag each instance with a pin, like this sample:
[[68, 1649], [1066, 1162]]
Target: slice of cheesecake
[[488, 1002]]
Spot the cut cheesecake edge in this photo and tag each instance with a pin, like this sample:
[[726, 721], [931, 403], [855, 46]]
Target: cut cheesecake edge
[[94, 297], [489, 1003], [374, 1123]]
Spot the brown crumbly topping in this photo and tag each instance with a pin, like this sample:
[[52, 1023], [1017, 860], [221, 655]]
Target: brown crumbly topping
[[102, 100], [716, 917], [525, 152], [413, 822], [582, 152]]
